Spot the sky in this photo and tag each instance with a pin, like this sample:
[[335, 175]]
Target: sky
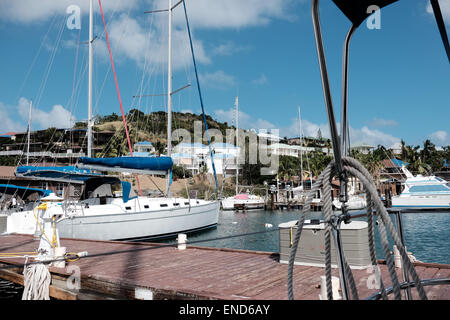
[[262, 51]]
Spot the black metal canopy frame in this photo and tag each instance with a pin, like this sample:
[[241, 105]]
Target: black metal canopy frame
[[356, 11]]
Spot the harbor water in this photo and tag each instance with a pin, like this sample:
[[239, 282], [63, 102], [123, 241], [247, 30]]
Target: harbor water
[[426, 236]]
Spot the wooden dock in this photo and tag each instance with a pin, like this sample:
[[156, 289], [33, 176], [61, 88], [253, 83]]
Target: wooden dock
[[283, 205], [195, 273]]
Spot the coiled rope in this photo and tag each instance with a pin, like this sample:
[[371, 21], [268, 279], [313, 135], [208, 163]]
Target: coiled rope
[[37, 280], [374, 207]]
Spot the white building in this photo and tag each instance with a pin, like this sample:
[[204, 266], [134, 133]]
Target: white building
[[143, 149], [224, 164], [225, 148], [188, 162], [194, 149], [364, 148], [271, 138], [282, 149], [396, 148], [195, 156]]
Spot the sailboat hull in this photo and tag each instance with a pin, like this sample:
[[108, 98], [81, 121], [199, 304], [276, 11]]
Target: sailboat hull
[[140, 225], [230, 203], [354, 203], [119, 221]]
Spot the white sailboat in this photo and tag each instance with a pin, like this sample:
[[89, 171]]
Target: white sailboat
[[355, 201], [299, 191], [102, 215], [248, 200]]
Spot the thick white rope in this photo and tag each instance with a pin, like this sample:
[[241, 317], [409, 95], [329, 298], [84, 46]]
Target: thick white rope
[[37, 280]]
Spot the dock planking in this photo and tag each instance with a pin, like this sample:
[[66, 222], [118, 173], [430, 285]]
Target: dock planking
[[194, 273]]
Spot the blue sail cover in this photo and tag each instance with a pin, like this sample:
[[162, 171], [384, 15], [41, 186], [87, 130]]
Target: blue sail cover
[[126, 191], [139, 163], [23, 192], [64, 173]]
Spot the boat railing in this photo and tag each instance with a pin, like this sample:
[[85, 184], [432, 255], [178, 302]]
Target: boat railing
[[71, 206], [406, 285]]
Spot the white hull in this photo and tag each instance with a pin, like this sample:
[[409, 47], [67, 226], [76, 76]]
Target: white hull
[[423, 192], [229, 203], [354, 203], [113, 222], [424, 201]]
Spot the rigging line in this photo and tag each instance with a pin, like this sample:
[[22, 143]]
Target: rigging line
[[109, 253], [111, 18], [144, 71], [441, 26], [50, 147], [47, 72], [152, 70], [36, 56], [74, 82], [200, 96], [115, 78], [75, 72], [50, 64], [117, 87]]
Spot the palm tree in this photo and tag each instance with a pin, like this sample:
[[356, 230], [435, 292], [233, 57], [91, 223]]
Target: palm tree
[[159, 147], [373, 164], [415, 162], [428, 149], [318, 161], [404, 151]]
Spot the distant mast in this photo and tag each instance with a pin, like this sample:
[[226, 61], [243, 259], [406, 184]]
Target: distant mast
[[301, 144], [236, 104], [169, 98], [91, 39], [29, 132]]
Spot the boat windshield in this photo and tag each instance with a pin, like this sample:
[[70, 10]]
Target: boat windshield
[[431, 188]]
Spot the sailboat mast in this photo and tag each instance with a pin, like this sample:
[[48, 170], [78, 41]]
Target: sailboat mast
[[169, 96], [29, 132], [236, 103], [301, 144], [91, 39]]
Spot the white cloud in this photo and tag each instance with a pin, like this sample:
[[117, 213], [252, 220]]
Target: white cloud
[[57, 117], [132, 37], [231, 13], [31, 11], [364, 134], [8, 124], [229, 48], [309, 129], [445, 9], [217, 80], [245, 120], [373, 137], [261, 80], [147, 45], [440, 137], [202, 13], [229, 116]]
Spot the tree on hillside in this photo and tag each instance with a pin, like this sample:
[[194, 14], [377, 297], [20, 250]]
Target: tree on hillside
[[318, 161]]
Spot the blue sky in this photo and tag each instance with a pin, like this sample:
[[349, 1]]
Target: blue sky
[[263, 51]]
